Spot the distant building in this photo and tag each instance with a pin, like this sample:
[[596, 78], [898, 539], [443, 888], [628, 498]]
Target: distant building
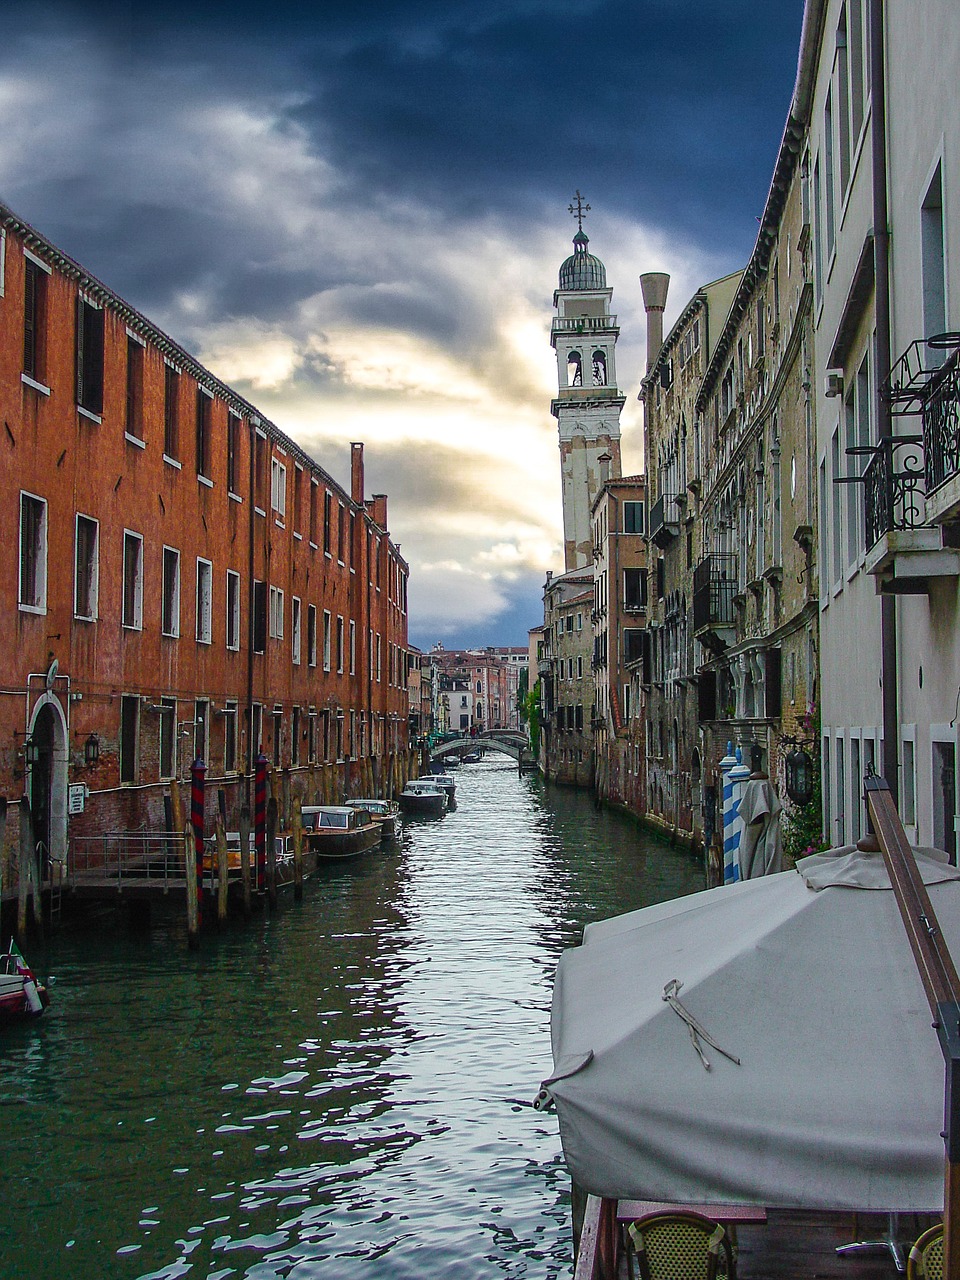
[[567, 679]]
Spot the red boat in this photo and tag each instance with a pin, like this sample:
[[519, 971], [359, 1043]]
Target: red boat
[[21, 995]]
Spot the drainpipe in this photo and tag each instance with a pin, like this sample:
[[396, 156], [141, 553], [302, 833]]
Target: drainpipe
[[881, 257]]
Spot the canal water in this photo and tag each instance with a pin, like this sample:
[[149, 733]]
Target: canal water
[[340, 1089]]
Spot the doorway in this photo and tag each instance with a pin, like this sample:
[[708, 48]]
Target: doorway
[[945, 798], [48, 783]]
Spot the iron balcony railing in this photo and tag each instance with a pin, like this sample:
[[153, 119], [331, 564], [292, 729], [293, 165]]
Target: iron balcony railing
[[665, 519], [941, 426], [714, 587], [893, 487]]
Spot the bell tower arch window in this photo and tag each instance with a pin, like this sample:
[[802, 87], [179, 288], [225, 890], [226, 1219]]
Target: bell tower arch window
[[574, 369], [599, 368]]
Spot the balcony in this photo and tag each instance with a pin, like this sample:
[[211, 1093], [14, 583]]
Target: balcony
[[665, 515], [715, 587], [583, 324]]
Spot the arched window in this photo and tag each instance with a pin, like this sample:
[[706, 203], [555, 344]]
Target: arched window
[[574, 369], [599, 369]]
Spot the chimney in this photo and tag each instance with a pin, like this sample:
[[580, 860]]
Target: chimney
[[378, 509], [605, 459], [654, 286], [356, 473]]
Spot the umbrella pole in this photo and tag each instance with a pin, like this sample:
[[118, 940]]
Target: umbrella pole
[[941, 986]]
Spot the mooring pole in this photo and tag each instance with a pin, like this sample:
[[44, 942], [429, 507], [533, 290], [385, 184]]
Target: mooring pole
[[941, 986], [260, 820], [198, 773]]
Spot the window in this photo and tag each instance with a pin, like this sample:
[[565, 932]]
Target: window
[[908, 770], [129, 735], [843, 100], [837, 510], [33, 554], [378, 658], [259, 472], [230, 737], [311, 635], [326, 639], [171, 397], [313, 512], [259, 616], [278, 488], [632, 644], [353, 648], [34, 318], [828, 175], [233, 453], [817, 231], [132, 609], [341, 531], [86, 577], [633, 517], [168, 738], [133, 422], [89, 356], [634, 588], [276, 613], [295, 737], [295, 629], [170, 600], [204, 410], [201, 735], [233, 610], [932, 262], [311, 736], [327, 518], [297, 498], [256, 730], [277, 734], [204, 601]]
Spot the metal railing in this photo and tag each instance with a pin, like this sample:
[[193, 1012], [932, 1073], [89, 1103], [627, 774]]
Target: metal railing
[[714, 586], [892, 498], [123, 856], [941, 426], [664, 518]]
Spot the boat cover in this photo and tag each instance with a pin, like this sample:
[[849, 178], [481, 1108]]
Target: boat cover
[[836, 1100]]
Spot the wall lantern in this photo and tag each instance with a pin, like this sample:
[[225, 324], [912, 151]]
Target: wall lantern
[[91, 750], [799, 776], [31, 752]]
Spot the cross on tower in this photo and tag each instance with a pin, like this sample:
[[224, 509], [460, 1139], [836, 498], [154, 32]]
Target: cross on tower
[[580, 208]]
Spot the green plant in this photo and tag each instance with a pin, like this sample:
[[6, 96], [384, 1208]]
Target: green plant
[[530, 715], [803, 824]]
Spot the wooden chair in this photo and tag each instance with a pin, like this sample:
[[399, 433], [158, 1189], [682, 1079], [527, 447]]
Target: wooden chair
[[679, 1246], [926, 1256]]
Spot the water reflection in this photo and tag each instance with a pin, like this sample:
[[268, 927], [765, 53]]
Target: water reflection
[[340, 1089]]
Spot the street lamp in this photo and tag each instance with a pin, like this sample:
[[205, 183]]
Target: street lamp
[[91, 750], [799, 769], [31, 752]]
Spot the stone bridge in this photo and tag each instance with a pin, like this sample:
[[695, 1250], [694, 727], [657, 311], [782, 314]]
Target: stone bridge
[[510, 744]]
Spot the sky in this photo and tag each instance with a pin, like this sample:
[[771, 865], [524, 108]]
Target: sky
[[355, 214]]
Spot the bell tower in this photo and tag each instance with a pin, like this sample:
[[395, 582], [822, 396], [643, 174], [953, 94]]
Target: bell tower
[[587, 407]]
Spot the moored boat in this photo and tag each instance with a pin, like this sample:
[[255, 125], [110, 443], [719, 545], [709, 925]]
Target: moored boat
[[423, 796], [385, 812], [20, 992], [444, 781], [338, 831]]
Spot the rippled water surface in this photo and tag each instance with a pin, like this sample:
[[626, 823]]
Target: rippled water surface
[[339, 1089]]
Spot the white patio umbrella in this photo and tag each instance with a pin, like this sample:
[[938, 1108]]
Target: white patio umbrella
[[837, 1099]]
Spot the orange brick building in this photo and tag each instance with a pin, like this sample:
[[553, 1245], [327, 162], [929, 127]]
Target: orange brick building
[[178, 578]]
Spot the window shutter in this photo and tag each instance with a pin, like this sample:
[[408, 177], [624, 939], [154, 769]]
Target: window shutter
[[772, 685], [259, 617]]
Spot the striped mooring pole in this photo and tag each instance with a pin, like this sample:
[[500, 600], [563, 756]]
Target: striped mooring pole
[[731, 864], [260, 819], [737, 776], [198, 773]]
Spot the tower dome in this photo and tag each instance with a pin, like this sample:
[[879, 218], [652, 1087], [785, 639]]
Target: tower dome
[[582, 270]]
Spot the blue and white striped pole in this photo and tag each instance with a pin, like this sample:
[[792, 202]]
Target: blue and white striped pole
[[737, 776], [726, 764]]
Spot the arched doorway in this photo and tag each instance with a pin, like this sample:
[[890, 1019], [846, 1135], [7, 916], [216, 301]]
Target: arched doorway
[[48, 782]]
